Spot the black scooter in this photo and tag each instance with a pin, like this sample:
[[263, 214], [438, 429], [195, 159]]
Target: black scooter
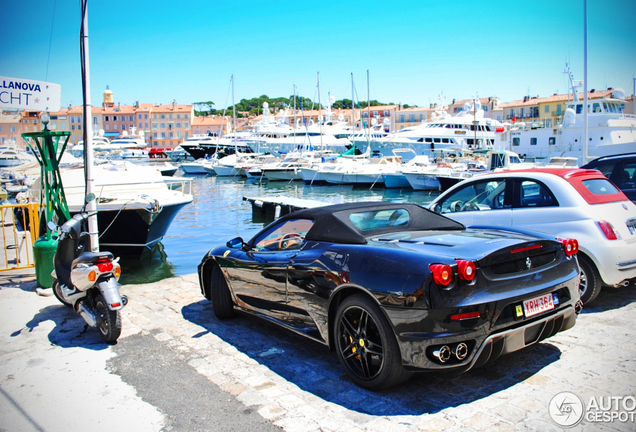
[[87, 281]]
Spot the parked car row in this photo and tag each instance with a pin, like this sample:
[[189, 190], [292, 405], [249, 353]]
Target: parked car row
[[496, 263]]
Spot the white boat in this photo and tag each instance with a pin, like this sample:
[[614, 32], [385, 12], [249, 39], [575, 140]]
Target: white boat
[[397, 179], [489, 161], [100, 141], [226, 166], [278, 137], [135, 205], [131, 145], [468, 130], [252, 168], [179, 154], [131, 153], [289, 168], [610, 131], [11, 156], [199, 166]]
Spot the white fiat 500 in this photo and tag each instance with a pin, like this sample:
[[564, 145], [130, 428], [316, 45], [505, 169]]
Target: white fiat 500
[[569, 203]]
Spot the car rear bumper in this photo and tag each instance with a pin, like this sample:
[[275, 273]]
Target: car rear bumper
[[430, 336], [483, 349]]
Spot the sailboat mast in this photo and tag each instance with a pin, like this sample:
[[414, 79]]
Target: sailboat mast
[[353, 117], [91, 206], [585, 105], [320, 113], [234, 116], [368, 115]]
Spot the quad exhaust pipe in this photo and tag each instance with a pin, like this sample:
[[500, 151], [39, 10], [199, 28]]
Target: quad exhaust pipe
[[444, 353]]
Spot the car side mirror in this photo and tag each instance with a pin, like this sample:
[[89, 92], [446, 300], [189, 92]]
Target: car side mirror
[[51, 226], [437, 208], [236, 243]]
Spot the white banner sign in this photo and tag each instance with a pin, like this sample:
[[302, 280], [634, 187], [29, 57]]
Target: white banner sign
[[29, 95]]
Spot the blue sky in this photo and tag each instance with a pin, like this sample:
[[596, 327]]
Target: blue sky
[[157, 51]]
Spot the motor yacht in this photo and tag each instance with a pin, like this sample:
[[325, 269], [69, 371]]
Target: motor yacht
[[134, 202], [468, 130]]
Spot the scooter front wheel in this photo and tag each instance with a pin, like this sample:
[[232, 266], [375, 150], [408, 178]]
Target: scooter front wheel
[[108, 321], [57, 291]]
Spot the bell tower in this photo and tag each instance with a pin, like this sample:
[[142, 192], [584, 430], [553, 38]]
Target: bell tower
[[108, 98]]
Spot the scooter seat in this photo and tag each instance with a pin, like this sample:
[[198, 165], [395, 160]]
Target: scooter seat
[[92, 257]]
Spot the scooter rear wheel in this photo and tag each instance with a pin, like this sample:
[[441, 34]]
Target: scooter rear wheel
[[57, 291], [108, 321]]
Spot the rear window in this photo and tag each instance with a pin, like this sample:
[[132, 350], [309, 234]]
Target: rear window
[[596, 190], [371, 220], [600, 187]]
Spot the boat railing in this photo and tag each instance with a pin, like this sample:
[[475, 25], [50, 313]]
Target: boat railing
[[19, 228]]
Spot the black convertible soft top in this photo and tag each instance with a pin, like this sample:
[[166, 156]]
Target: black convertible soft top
[[332, 223]]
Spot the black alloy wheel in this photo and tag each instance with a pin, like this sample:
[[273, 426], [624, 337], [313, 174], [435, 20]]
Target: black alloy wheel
[[366, 346]]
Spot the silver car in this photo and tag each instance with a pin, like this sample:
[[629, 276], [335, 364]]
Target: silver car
[[569, 203]]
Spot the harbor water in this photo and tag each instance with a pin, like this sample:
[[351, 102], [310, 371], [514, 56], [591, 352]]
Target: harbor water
[[219, 213]]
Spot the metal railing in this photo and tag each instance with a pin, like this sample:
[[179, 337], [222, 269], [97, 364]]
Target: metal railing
[[19, 228]]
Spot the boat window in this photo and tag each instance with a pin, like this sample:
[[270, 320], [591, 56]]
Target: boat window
[[371, 220], [289, 235], [552, 141], [534, 194], [516, 141], [533, 141], [596, 107], [479, 195], [579, 108]]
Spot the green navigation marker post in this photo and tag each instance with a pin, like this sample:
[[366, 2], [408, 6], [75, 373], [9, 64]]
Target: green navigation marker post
[[48, 147]]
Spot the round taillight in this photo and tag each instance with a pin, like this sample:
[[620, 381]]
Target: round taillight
[[442, 274], [466, 270], [571, 247]]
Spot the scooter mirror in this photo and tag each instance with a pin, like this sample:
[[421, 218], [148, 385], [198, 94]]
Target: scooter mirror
[[51, 225], [90, 197]]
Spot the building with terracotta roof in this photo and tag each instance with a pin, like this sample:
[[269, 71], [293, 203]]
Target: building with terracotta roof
[[170, 125], [548, 111], [10, 128], [215, 125], [412, 116]]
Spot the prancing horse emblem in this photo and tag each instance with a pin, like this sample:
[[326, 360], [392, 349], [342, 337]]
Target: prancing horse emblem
[[528, 263]]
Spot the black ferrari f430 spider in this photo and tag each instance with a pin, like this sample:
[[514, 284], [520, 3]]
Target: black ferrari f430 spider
[[395, 288]]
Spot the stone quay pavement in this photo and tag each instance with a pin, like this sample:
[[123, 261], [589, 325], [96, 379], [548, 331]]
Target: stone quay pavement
[[177, 368]]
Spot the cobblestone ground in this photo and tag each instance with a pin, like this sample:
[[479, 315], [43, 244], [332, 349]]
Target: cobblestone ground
[[299, 385]]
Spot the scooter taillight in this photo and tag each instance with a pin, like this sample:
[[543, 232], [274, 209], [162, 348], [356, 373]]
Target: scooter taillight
[[104, 267]]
